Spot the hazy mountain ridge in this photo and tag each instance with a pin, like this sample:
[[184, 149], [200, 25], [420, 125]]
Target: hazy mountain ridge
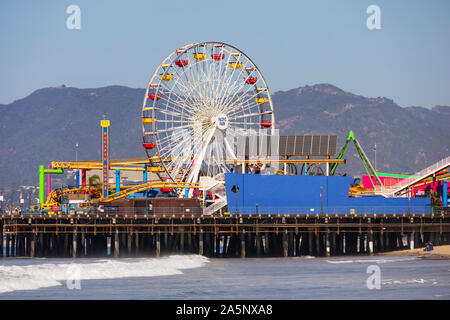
[[45, 126]]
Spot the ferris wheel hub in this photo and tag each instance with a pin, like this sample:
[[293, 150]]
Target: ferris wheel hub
[[220, 121]]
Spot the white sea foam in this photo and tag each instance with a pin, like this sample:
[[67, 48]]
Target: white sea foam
[[419, 281], [378, 261], [36, 276]]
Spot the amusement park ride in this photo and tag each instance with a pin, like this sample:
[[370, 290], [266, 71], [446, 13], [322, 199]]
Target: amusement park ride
[[199, 103]]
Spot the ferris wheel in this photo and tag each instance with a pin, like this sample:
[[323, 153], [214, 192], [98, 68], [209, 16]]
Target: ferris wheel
[[198, 101]]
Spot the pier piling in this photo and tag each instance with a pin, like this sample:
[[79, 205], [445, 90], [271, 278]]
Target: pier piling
[[258, 244], [327, 243], [285, 244], [370, 236], [108, 246], [317, 238], [116, 244], [411, 240], [158, 244], [310, 242], [74, 245], [33, 245], [200, 242], [243, 243], [5, 245]]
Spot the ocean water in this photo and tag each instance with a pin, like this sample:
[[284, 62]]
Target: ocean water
[[196, 277]]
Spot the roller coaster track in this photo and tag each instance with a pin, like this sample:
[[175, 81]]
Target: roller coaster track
[[142, 187], [54, 196], [405, 184]]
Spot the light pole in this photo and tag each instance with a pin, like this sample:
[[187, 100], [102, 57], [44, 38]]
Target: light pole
[[76, 151], [409, 195], [375, 150], [235, 189], [321, 200]]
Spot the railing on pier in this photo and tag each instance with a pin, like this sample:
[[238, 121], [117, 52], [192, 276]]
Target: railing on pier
[[341, 210], [196, 211]]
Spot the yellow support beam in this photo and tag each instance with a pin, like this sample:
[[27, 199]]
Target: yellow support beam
[[121, 164], [97, 166], [263, 161]]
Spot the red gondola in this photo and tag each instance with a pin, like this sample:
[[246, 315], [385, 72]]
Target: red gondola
[[165, 190], [218, 57], [152, 96], [266, 124], [251, 80], [181, 63], [149, 145]]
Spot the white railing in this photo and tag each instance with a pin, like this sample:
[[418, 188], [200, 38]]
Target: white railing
[[442, 164]]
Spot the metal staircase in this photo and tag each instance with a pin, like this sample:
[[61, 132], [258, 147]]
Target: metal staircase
[[216, 186]]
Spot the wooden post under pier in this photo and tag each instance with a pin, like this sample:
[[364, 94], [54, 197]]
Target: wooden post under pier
[[242, 234]]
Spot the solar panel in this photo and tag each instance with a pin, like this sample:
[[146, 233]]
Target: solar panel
[[315, 148], [241, 143], [323, 145], [263, 145], [290, 145], [309, 145], [253, 149], [283, 144], [332, 145], [299, 145]]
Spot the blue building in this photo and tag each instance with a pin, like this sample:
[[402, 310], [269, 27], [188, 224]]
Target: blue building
[[300, 194]]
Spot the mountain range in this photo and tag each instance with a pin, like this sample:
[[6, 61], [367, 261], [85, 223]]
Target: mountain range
[[46, 125]]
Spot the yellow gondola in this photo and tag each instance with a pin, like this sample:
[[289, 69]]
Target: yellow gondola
[[147, 120], [261, 100], [199, 56], [235, 65], [166, 77]]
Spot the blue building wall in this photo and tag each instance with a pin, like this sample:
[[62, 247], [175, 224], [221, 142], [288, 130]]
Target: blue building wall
[[301, 194]]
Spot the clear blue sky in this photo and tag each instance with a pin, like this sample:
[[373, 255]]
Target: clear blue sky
[[294, 43]]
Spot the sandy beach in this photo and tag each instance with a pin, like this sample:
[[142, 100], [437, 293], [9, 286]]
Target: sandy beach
[[439, 252]]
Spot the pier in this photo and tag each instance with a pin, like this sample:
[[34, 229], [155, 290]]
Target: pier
[[154, 235]]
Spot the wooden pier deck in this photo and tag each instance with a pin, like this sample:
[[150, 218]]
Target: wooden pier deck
[[131, 235]]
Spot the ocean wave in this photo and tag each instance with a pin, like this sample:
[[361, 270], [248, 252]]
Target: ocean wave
[[378, 261], [43, 275]]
